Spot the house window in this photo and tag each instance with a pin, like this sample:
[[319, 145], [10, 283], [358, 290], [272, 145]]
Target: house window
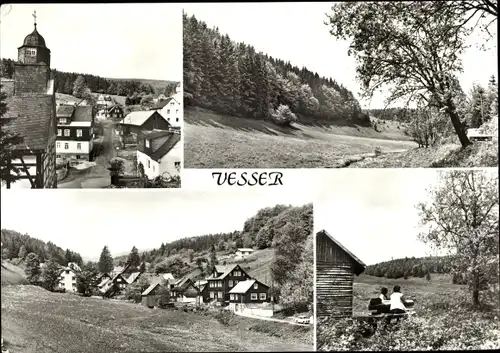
[[253, 296], [221, 295], [177, 119], [78, 146], [235, 282], [77, 156], [177, 165], [172, 103], [31, 52], [58, 145], [149, 163], [59, 132], [255, 286], [153, 168], [236, 297], [230, 283], [147, 143], [168, 119], [58, 156], [168, 111], [231, 296], [66, 146], [66, 132], [177, 112], [62, 121], [262, 296], [79, 133], [236, 273]]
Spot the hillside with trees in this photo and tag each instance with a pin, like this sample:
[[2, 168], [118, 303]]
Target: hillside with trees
[[235, 79], [18, 246], [71, 82], [284, 231]]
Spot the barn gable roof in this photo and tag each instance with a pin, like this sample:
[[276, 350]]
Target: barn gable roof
[[150, 289], [138, 118], [359, 265]]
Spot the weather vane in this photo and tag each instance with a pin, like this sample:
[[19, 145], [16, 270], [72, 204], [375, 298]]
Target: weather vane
[[34, 16]]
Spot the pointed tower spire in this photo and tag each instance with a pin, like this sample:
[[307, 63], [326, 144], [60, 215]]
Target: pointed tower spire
[[34, 16]]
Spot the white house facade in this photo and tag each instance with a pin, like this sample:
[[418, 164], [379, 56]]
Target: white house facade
[[160, 153]]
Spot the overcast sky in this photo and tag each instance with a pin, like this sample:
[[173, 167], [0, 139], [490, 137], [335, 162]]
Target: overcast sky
[[110, 40], [86, 220], [295, 32], [372, 211]]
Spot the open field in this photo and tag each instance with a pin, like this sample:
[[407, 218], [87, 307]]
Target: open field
[[158, 85], [34, 320], [444, 319], [421, 290], [218, 141]]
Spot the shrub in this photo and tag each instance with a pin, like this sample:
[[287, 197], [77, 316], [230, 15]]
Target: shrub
[[283, 115], [224, 317]]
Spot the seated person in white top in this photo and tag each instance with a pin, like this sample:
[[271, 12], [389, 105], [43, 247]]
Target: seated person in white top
[[397, 301], [383, 296]]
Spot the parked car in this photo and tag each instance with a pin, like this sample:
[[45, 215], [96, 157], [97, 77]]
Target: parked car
[[302, 319]]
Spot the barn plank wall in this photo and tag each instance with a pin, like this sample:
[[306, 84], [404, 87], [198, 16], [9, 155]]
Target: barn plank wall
[[334, 280]]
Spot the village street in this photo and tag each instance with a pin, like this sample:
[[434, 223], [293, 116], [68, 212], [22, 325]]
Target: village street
[[269, 319], [97, 176]]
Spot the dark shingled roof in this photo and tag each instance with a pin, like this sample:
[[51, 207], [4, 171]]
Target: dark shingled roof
[[83, 113], [65, 111], [33, 116], [162, 142], [34, 39]]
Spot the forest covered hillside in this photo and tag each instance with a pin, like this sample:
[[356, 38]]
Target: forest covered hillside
[[236, 79], [64, 82], [17, 246]]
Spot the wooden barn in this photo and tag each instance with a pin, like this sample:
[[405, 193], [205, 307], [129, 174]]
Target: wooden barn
[[335, 270], [151, 296]]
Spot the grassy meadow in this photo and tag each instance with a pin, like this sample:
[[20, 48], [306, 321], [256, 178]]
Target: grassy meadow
[[218, 141], [35, 320], [444, 319]]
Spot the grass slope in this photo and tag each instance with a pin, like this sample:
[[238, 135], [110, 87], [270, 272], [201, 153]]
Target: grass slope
[[12, 274], [423, 291], [34, 320], [218, 141]]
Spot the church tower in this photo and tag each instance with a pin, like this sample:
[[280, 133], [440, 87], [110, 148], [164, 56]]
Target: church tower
[[32, 71]]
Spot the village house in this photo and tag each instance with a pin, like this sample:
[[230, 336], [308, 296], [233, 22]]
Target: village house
[[170, 108], [222, 280], [75, 132], [137, 121], [244, 252], [67, 278], [151, 296], [184, 291], [335, 270], [114, 112], [160, 98], [159, 153], [251, 297], [203, 295], [31, 110]]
